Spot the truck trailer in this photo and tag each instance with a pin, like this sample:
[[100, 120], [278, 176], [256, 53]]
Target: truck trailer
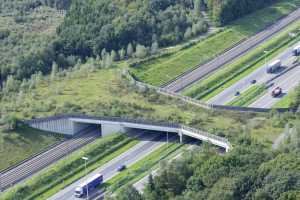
[[296, 51], [273, 66], [84, 188]]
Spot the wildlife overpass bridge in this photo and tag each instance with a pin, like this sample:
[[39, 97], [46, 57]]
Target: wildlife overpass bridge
[[72, 124]]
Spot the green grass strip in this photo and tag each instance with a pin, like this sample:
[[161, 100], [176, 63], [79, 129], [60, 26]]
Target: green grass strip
[[142, 167], [249, 96], [70, 169]]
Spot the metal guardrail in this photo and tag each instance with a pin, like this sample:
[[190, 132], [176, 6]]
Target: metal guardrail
[[222, 139], [113, 119], [204, 104]]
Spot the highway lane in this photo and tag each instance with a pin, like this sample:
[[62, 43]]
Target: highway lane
[[148, 144], [260, 75], [140, 185], [236, 52], [33, 165], [287, 82]]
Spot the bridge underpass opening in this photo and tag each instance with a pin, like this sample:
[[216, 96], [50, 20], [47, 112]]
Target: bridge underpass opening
[[110, 127], [154, 135]]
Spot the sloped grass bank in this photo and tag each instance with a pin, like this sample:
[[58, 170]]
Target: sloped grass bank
[[17, 145]]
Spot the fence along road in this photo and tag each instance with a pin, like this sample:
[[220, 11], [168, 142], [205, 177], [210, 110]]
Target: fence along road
[[201, 71]]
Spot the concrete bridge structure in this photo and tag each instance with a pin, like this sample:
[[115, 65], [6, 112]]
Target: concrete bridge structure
[[72, 124]]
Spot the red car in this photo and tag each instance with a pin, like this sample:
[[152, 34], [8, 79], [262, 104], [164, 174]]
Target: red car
[[277, 92]]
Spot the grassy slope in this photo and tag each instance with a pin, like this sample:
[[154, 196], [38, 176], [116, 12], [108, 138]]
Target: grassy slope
[[17, 145], [103, 93], [33, 33], [160, 71]]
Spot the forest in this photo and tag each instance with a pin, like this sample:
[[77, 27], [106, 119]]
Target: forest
[[109, 30], [225, 11]]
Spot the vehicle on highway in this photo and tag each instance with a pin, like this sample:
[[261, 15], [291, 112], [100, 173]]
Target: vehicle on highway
[[296, 51], [273, 66], [121, 168], [237, 93], [84, 188], [277, 92], [253, 81]]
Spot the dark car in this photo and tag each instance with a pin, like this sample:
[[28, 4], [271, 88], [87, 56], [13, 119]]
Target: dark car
[[121, 168], [253, 81], [276, 92], [237, 93]]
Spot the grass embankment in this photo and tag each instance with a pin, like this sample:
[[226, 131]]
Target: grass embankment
[[247, 97], [22, 33], [104, 93], [141, 168], [242, 67], [22, 143], [70, 169], [164, 69]]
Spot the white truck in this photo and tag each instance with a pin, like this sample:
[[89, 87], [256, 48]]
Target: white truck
[[84, 188], [296, 51], [273, 66]]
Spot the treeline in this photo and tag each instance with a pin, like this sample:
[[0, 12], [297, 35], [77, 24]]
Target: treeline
[[249, 171], [113, 30], [225, 11], [17, 6], [93, 26]]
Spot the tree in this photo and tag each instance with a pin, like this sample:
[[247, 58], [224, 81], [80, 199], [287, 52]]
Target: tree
[[188, 33], [122, 54], [103, 53], [197, 7], [54, 71], [114, 55], [130, 193], [10, 121], [108, 62], [154, 47], [129, 50], [11, 85], [141, 51]]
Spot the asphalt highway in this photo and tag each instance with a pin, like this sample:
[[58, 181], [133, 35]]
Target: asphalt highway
[[287, 82], [31, 166], [260, 75], [234, 53], [149, 143]]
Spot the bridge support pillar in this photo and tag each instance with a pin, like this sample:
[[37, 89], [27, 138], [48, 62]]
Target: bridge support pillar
[[107, 129], [180, 136]]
